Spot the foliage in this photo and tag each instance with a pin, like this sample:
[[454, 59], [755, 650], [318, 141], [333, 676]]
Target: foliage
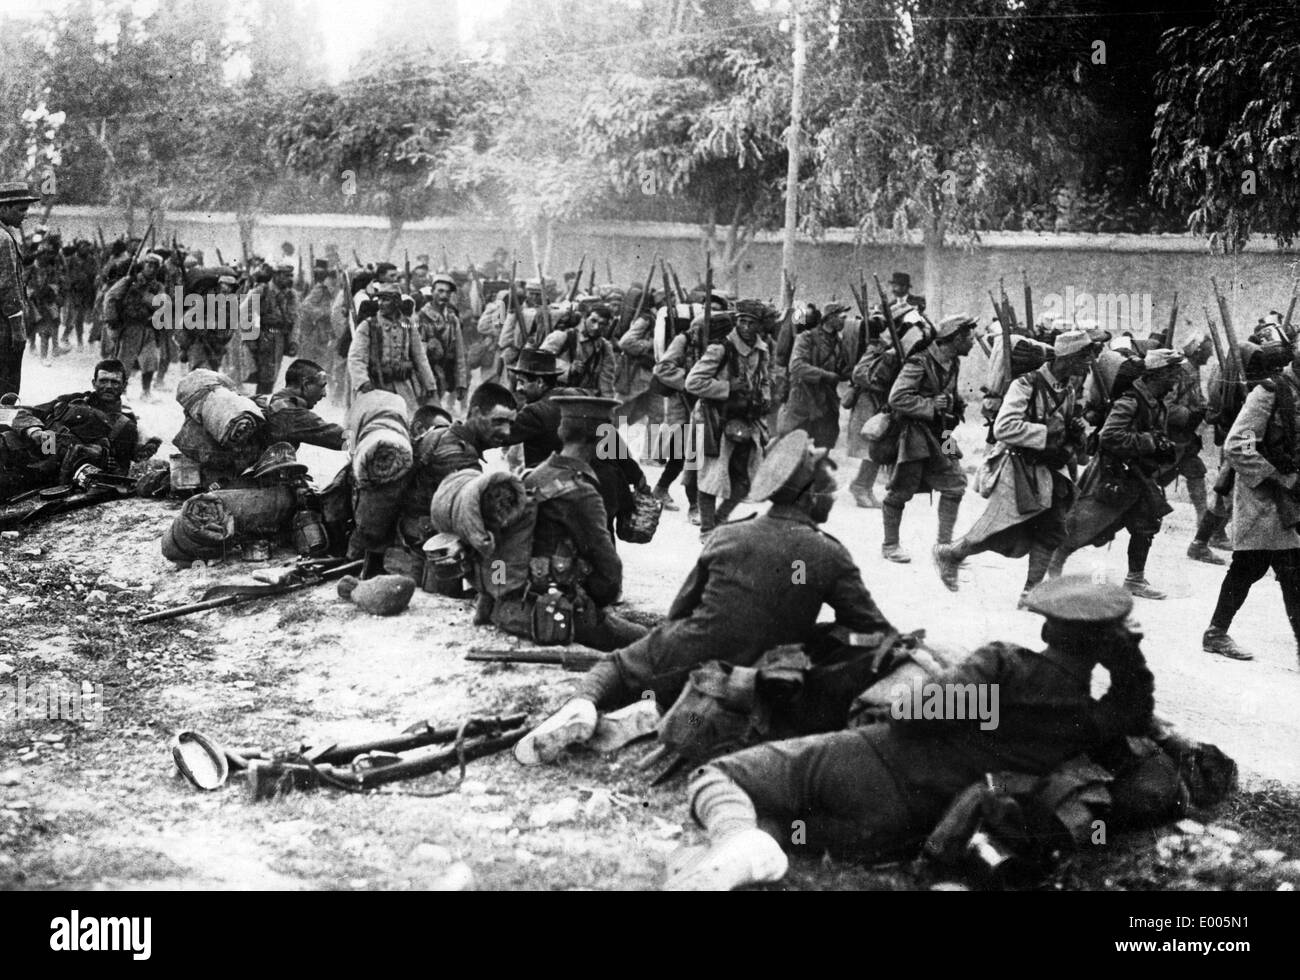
[[1227, 133]]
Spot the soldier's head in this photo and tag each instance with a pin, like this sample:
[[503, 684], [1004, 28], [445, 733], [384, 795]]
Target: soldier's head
[[795, 473], [389, 296], [1072, 355], [1083, 617], [956, 334], [307, 380], [491, 411], [283, 277], [747, 324], [1197, 349], [443, 286], [428, 417], [227, 284], [598, 321], [584, 422], [151, 264], [1161, 371], [900, 284], [109, 381], [15, 199], [386, 272], [85, 248]]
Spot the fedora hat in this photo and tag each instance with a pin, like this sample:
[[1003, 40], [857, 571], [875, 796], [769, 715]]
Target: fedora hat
[[16, 192], [539, 362]]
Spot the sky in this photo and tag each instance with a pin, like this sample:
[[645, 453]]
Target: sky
[[344, 30]]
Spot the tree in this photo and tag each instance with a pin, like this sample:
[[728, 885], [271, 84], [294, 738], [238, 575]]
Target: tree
[[1227, 131]]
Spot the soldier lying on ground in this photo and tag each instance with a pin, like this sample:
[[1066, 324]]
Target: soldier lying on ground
[[95, 424], [878, 789], [758, 584]]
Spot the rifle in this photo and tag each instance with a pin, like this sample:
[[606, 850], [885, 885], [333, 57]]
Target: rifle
[[1173, 323], [889, 320], [303, 576], [1006, 305], [591, 280], [577, 279], [544, 307], [609, 270], [513, 312], [708, 291], [670, 306], [682, 296], [446, 265], [645, 292], [1218, 345], [579, 659], [1006, 352], [357, 259], [311, 259], [1225, 315], [406, 265], [139, 250], [302, 279], [220, 260], [1029, 303], [1286, 323]]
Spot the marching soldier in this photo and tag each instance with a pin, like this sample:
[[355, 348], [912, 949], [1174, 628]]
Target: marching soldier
[[1119, 488], [589, 355], [15, 199], [925, 400], [1186, 405], [79, 296], [45, 289], [439, 325], [819, 361], [206, 347], [869, 395], [677, 444], [636, 364], [128, 318], [315, 328], [278, 325], [1263, 448], [387, 353], [733, 390], [1038, 431]]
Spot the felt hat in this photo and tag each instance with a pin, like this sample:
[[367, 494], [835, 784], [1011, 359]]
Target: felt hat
[[16, 192], [278, 460], [901, 279], [535, 362]]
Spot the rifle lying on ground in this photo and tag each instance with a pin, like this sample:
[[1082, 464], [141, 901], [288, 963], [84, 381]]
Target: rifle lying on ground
[[304, 575], [570, 658]]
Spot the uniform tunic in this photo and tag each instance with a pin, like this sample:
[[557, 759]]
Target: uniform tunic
[[444, 346], [818, 363], [403, 366], [716, 376], [13, 313]]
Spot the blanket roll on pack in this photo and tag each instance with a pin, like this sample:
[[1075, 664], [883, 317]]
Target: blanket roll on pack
[[379, 439], [214, 402], [211, 524]]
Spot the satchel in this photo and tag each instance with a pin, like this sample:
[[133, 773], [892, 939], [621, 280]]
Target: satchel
[[639, 525], [882, 432], [552, 619]]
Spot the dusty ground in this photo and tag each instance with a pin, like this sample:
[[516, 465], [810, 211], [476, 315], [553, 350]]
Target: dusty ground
[[100, 807]]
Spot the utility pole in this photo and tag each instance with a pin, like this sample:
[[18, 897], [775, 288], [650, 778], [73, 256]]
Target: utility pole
[[794, 145]]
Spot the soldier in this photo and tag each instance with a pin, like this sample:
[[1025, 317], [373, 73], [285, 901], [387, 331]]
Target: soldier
[[15, 199], [1119, 488], [387, 353], [289, 413], [315, 330], [571, 540], [278, 327], [586, 353], [872, 377], [737, 603], [876, 790], [677, 445], [128, 318], [537, 425], [1263, 448], [1038, 430], [206, 347], [1186, 407], [924, 399], [733, 388], [80, 294], [444, 345], [45, 289], [636, 365], [819, 361], [95, 425]]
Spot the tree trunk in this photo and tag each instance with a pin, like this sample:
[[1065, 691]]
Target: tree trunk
[[394, 233], [246, 222], [794, 141], [932, 239]]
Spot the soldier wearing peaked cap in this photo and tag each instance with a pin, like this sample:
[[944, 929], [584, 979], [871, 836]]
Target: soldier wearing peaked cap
[[1038, 431], [757, 584], [878, 790], [1120, 488]]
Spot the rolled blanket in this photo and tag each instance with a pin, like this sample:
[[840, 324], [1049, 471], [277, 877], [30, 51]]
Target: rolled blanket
[[210, 524], [214, 402], [457, 507], [380, 439]]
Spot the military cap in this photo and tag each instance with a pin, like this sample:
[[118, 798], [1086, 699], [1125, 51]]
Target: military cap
[[1071, 342], [285, 267], [950, 325], [1161, 357], [585, 407], [389, 289], [16, 192], [791, 462], [227, 281], [746, 312], [901, 279], [152, 257], [1078, 599], [321, 265], [443, 278]]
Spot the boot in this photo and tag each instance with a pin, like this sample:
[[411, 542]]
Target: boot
[[708, 511], [1040, 558], [693, 515], [890, 549], [1138, 586], [947, 560], [948, 507], [1200, 551], [1218, 641], [665, 498], [725, 509], [1209, 530], [574, 722], [745, 858], [863, 497]]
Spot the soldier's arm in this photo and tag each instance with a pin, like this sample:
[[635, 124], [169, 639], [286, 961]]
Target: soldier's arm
[[420, 358], [1012, 425], [1127, 705], [692, 590], [905, 396], [703, 380], [586, 523], [1242, 443], [801, 369], [359, 355], [554, 342], [639, 339], [304, 425], [1119, 435], [671, 368], [853, 605]]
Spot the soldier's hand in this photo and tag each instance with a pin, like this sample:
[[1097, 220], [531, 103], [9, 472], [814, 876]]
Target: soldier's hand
[[368, 386], [942, 403], [147, 449]]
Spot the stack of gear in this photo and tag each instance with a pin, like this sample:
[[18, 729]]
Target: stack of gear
[[212, 525], [380, 439], [223, 428], [492, 515]]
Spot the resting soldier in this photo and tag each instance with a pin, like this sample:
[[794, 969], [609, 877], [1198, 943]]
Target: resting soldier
[[924, 399], [733, 390], [875, 791], [1263, 448], [1038, 432], [573, 558], [1119, 488], [758, 583], [387, 353]]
